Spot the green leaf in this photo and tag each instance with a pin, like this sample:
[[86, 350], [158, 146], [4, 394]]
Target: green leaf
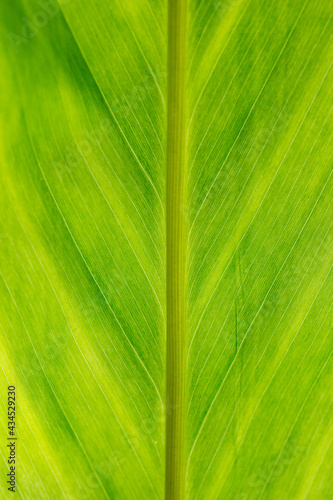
[[166, 248]]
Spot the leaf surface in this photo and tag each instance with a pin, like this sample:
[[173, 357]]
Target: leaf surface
[[85, 142]]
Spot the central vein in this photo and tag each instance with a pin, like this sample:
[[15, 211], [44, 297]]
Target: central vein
[[175, 228]]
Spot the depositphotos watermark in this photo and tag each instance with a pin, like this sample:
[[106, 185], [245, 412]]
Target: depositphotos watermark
[[74, 154], [259, 480], [31, 27], [222, 7]]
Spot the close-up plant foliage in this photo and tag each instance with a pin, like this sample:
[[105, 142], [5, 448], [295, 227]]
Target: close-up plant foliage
[[166, 249]]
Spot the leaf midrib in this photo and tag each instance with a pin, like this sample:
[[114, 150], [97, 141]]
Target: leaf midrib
[[175, 253]]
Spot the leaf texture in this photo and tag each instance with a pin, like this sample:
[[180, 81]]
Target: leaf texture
[[84, 249]]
